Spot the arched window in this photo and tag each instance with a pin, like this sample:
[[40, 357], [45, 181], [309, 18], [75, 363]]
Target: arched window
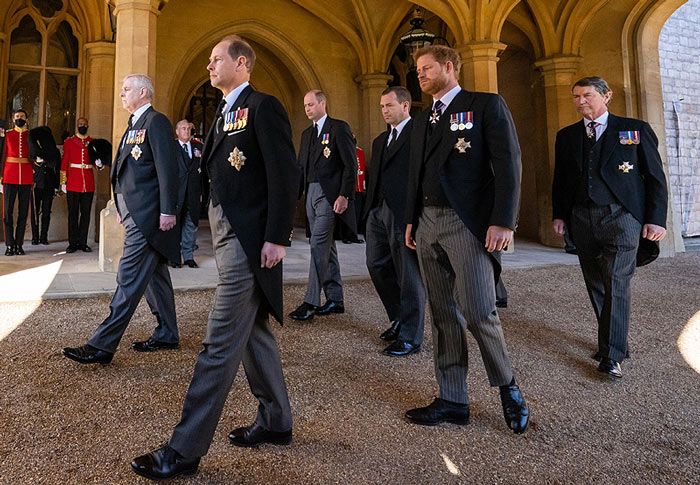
[[43, 69]]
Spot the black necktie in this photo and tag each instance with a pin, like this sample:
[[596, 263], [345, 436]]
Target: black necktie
[[219, 116], [187, 152], [131, 122], [590, 132], [392, 139], [438, 106]]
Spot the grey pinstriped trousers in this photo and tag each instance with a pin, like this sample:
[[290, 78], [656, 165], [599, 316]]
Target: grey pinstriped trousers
[[607, 238], [459, 278], [238, 330]]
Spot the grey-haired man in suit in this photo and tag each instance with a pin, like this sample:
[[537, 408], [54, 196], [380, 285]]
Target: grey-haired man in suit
[[145, 183]]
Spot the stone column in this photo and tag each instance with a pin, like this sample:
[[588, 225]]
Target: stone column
[[479, 72], [135, 52], [372, 86], [99, 102], [558, 75], [3, 68]]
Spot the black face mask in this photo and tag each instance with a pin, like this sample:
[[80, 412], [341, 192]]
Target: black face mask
[[19, 122], [82, 130]]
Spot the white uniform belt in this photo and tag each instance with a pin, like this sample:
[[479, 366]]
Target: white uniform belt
[[80, 165]]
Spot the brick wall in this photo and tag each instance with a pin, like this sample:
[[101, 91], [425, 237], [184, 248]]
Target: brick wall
[[679, 52]]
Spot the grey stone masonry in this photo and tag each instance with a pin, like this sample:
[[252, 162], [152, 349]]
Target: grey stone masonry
[[679, 55]]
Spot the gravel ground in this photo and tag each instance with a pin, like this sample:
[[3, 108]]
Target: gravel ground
[[64, 423]]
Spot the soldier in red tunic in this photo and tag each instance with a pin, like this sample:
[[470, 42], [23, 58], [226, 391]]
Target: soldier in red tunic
[[16, 178], [78, 181]]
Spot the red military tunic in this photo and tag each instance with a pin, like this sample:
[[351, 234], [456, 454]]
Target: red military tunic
[[16, 167], [76, 168]]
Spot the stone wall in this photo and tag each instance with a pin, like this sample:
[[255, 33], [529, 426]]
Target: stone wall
[[679, 52]]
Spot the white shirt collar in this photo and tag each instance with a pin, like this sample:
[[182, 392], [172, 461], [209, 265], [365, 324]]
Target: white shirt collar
[[449, 96], [601, 124], [601, 120], [319, 124], [137, 114], [233, 96]]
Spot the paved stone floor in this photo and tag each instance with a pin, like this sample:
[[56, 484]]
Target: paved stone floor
[[65, 423]]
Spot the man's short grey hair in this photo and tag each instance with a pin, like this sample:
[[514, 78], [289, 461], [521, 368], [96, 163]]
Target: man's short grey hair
[[142, 81], [183, 122], [598, 83]]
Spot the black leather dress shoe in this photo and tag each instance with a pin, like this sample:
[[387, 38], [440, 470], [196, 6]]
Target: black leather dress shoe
[[191, 263], [399, 348], [331, 307], [439, 411], [19, 251], [515, 409], [10, 251], [305, 311], [35, 242], [391, 333], [610, 367], [71, 249], [255, 434], [86, 249], [44, 241], [87, 354], [174, 264], [502, 303], [152, 345], [164, 463]]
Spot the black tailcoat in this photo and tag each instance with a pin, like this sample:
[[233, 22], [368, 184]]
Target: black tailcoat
[[391, 167], [641, 189], [190, 195], [258, 199], [149, 184], [336, 172], [482, 184]]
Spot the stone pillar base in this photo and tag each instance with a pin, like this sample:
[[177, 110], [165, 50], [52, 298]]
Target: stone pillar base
[[111, 239]]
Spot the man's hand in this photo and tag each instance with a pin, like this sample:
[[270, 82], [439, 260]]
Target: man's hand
[[2, 187], [498, 238], [39, 160], [271, 254], [410, 243], [653, 232], [167, 222], [558, 226], [64, 189], [98, 163], [340, 205]]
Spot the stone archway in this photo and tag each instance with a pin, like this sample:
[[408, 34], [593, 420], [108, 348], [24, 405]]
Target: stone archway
[[643, 90], [680, 78], [521, 87]]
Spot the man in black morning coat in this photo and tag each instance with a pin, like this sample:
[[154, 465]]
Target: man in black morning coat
[[609, 191], [392, 266], [144, 178], [254, 182], [327, 158], [463, 196]]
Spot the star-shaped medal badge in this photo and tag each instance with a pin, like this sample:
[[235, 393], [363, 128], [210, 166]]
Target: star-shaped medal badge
[[434, 117], [237, 159], [136, 152], [625, 167], [462, 145]]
